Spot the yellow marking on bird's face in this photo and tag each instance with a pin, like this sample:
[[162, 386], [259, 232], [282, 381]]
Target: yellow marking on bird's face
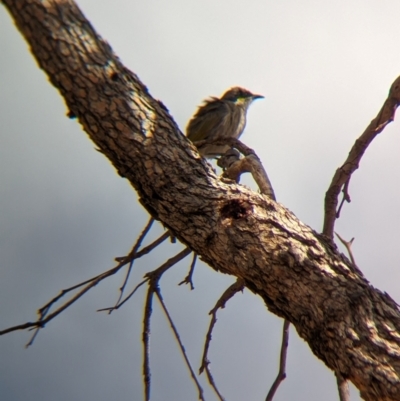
[[242, 100]]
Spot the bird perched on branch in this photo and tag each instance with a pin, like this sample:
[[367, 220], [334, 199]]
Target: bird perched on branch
[[220, 118]]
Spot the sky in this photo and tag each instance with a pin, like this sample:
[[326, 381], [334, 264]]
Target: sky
[[325, 69]]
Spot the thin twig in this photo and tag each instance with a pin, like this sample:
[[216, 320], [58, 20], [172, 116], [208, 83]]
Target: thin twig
[[169, 263], [40, 323], [134, 251], [132, 255], [188, 278], [348, 245], [345, 198], [92, 282], [146, 343], [178, 339], [282, 361], [148, 275], [115, 307], [237, 286], [153, 278]]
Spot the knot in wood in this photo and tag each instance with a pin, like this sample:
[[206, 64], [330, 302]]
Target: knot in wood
[[235, 209]]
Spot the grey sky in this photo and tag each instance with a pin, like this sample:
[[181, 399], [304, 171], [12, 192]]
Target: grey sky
[[325, 69]]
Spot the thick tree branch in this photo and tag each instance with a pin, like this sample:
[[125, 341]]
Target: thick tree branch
[[352, 327]]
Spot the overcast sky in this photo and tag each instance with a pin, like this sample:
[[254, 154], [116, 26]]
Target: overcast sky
[[325, 68]]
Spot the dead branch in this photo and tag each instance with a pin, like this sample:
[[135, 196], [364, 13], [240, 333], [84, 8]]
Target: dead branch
[[127, 298], [153, 277], [147, 249], [345, 197], [43, 311], [169, 263], [148, 309], [348, 245], [343, 174], [237, 286], [282, 362], [133, 252], [157, 290], [188, 278]]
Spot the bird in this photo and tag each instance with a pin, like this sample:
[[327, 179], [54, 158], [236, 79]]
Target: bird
[[220, 118]]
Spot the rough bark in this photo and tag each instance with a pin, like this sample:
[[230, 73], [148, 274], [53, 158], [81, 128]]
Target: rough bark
[[352, 327]]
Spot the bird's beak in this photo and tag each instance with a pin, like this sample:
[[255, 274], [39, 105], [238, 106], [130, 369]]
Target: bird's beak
[[255, 97]]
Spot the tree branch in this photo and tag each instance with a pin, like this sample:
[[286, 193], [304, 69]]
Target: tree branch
[[341, 179], [236, 287], [43, 312]]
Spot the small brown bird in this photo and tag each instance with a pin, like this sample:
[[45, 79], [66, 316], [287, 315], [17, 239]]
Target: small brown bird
[[220, 118]]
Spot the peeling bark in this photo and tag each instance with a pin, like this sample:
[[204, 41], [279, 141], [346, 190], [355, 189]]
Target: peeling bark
[[351, 326]]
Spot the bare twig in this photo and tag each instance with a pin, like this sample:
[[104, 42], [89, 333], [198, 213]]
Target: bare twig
[[345, 198], [178, 339], [188, 278], [164, 267], [169, 263], [342, 176], [146, 342], [147, 249], [90, 283], [133, 252], [348, 245], [237, 286], [40, 323], [117, 306], [153, 278], [282, 361]]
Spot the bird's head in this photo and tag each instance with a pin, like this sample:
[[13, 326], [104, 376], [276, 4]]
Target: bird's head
[[240, 96]]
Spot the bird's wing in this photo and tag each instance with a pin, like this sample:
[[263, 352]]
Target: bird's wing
[[206, 121]]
